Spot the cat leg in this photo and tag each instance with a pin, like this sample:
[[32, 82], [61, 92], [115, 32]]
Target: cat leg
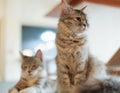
[[13, 90], [29, 90], [63, 80]]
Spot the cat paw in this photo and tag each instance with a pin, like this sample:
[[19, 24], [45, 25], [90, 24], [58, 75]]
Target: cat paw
[[28, 90], [13, 90]]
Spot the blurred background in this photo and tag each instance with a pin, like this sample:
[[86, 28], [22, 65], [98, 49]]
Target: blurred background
[[28, 25]]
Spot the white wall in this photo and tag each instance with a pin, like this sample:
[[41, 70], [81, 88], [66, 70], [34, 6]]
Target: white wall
[[1, 8], [36, 9], [12, 29], [104, 30], [1, 40]]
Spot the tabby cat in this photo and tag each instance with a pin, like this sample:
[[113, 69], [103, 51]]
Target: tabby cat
[[77, 69], [34, 77]]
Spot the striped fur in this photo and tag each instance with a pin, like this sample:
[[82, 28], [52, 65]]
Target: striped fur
[[75, 66]]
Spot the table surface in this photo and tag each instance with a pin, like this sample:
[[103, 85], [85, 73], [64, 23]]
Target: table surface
[[5, 86]]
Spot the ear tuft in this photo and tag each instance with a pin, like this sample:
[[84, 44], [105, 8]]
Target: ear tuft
[[83, 8], [65, 7], [39, 54]]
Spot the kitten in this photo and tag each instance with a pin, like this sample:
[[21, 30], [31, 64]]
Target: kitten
[[34, 77], [75, 65]]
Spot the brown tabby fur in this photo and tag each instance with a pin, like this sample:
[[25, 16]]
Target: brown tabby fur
[[75, 66]]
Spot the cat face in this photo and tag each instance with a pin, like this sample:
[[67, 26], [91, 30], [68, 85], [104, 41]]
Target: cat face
[[32, 66], [74, 19]]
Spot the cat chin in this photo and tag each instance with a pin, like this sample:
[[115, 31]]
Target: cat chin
[[81, 34], [43, 73], [27, 75], [39, 72], [35, 73]]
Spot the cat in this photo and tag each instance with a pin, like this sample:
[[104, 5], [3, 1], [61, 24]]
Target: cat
[[75, 64], [34, 77]]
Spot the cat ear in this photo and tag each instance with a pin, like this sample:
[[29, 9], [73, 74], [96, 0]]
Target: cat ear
[[83, 8], [66, 8], [39, 55], [22, 55]]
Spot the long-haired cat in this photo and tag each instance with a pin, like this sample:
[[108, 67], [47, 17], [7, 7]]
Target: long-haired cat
[[76, 68], [34, 77]]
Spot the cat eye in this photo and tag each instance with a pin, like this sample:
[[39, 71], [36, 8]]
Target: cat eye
[[24, 67], [33, 67], [78, 18]]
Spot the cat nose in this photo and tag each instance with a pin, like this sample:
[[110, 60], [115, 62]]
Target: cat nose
[[84, 25], [72, 82], [29, 71]]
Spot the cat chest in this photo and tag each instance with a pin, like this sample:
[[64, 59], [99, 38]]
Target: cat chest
[[34, 81], [74, 61], [83, 52], [74, 54]]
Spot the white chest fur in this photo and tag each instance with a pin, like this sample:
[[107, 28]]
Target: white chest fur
[[84, 52]]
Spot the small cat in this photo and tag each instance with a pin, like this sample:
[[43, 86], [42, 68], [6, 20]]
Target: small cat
[[34, 77], [75, 65]]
